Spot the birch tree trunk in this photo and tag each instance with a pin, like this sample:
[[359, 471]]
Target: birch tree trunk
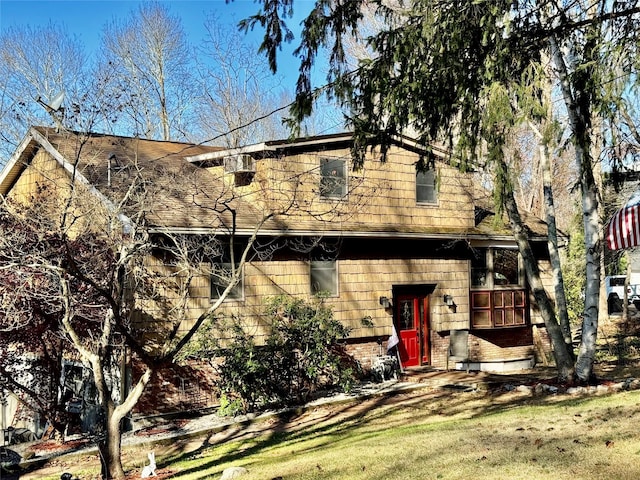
[[577, 101], [552, 232], [561, 352], [552, 244], [586, 353]]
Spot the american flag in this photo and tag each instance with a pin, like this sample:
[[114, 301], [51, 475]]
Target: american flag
[[623, 230]]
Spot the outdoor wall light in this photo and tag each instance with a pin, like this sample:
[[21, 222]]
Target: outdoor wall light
[[385, 302], [448, 301]]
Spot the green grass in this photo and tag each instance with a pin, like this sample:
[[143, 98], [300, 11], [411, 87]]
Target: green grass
[[429, 435]]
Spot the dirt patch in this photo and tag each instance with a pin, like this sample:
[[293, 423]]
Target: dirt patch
[[53, 446], [162, 429]]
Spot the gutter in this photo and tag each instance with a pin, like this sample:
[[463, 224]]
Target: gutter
[[476, 238], [272, 146]]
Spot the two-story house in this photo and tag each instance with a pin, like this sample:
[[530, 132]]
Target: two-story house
[[393, 247]]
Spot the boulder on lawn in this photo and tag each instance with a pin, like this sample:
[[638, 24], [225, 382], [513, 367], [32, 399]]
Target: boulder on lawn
[[233, 472]]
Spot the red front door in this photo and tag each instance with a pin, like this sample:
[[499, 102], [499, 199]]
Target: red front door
[[412, 316]]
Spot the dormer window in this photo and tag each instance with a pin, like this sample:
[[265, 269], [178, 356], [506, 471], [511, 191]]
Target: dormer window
[[333, 177]]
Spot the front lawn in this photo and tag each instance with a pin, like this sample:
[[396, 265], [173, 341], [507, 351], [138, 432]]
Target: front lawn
[[428, 434]]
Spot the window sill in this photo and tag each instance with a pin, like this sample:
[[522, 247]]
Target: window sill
[[501, 327], [334, 199], [227, 300]]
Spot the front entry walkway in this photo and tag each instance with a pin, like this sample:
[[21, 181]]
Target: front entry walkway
[[479, 380]]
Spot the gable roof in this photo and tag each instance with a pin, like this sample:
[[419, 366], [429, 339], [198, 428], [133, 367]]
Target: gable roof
[[89, 150], [107, 163]]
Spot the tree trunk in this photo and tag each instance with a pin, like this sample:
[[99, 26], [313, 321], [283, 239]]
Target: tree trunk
[[552, 243], [577, 99], [587, 351], [110, 448], [561, 353], [110, 445]]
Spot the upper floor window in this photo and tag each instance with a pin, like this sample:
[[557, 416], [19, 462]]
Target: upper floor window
[[333, 177], [221, 276], [324, 277], [426, 191]]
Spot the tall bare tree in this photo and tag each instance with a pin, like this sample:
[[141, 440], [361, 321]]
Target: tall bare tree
[[117, 273], [93, 261], [151, 59], [36, 63], [237, 92]]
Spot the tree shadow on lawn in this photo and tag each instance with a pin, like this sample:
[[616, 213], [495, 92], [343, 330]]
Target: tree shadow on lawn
[[292, 426], [332, 424]]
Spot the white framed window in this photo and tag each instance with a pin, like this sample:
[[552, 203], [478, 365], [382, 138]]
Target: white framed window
[[323, 277], [426, 190], [221, 275], [333, 177]]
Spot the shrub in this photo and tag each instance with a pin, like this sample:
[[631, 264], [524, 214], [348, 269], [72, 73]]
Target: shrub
[[302, 354]]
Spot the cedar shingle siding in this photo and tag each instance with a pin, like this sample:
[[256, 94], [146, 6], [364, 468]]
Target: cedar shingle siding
[[382, 237]]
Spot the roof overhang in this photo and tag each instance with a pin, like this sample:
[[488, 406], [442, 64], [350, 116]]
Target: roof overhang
[[16, 164], [310, 143]]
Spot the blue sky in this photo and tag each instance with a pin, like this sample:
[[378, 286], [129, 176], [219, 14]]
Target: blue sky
[[86, 19]]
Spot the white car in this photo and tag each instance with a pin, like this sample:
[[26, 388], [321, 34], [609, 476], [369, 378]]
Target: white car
[[615, 286]]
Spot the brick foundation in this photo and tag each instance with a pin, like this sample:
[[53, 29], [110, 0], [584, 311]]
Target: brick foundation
[[178, 388], [192, 386], [366, 350]]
